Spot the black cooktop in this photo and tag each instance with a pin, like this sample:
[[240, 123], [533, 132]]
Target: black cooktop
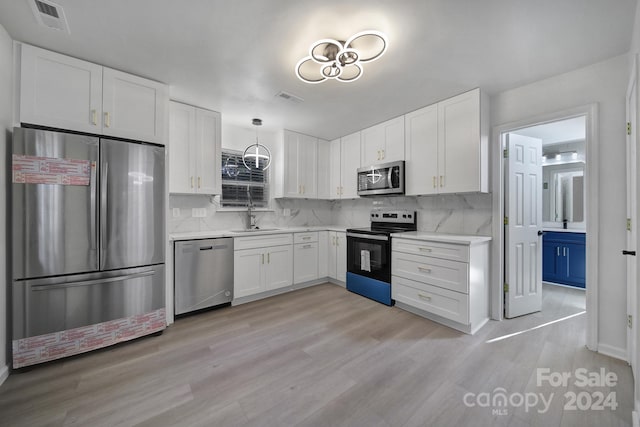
[[385, 222]]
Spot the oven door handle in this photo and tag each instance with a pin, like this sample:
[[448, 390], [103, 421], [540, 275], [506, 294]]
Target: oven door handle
[[369, 236]]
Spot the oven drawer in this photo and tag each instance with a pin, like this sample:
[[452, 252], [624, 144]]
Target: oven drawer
[[305, 237], [442, 250], [442, 302], [452, 275]]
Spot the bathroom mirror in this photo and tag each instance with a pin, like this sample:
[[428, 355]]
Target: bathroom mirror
[[563, 193]]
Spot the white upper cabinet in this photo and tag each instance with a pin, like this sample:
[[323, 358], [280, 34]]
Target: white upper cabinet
[[297, 166], [421, 149], [383, 142], [446, 146], [60, 91], [324, 169], [132, 107], [335, 168], [194, 150], [67, 93], [349, 163]]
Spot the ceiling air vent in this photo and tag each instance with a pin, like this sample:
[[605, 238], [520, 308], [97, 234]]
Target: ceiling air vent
[[289, 97], [49, 14]]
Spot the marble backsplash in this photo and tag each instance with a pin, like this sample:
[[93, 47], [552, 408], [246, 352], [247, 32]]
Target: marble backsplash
[[453, 213], [302, 213]]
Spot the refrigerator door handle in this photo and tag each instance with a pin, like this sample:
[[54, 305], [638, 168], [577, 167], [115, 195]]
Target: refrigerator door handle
[[93, 281], [93, 211], [103, 211]]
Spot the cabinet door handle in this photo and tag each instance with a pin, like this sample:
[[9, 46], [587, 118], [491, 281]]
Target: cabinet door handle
[[337, 191], [191, 182], [441, 180], [303, 189], [334, 241], [107, 119], [426, 249], [263, 258], [341, 191], [378, 154], [424, 269], [435, 182], [94, 117], [199, 181], [384, 154], [269, 258], [424, 297]]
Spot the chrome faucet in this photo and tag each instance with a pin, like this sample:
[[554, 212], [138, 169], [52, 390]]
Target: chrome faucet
[[251, 218]]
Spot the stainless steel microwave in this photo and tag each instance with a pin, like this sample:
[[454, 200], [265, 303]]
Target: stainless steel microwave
[[386, 178]]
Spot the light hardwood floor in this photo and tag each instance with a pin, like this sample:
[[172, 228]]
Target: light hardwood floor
[[320, 356]]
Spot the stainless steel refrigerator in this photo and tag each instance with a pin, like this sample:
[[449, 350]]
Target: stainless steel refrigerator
[[88, 243]]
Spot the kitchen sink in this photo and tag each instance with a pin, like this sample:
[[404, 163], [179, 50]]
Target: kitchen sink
[[252, 230]]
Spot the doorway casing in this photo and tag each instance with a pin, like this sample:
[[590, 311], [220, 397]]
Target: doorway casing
[[591, 215]]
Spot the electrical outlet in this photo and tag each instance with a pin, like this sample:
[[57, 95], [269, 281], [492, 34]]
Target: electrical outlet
[[286, 212], [176, 212], [199, 212]]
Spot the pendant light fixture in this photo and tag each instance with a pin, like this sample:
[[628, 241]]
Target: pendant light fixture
[[256, 156]]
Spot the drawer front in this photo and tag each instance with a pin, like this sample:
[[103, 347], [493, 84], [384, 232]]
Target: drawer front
[[452, 275], [448, 304], [305, 237], [264, 241], [448, 251]]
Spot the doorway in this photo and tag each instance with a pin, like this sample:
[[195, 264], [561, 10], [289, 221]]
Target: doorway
[[569, 137], [545, 230]]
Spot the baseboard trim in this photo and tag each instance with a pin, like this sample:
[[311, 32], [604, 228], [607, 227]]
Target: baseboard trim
[[267, 294], [4, 374], [615, 352]]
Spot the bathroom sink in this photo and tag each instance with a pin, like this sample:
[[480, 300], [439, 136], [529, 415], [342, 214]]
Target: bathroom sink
[[252, 230]]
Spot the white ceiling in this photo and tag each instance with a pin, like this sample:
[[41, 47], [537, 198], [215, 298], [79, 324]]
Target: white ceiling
[[557, 132], [234, 56]]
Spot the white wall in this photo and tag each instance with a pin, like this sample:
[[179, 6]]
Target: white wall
[[6, 118], [603, 83]]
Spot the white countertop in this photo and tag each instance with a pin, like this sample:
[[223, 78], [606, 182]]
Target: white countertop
[[213, 234], [442, 237]]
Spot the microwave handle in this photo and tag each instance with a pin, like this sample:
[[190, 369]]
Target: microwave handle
[[389, 179]]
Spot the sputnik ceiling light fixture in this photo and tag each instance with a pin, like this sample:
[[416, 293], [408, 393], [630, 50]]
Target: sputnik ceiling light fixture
[[256, 156], [341, 60]]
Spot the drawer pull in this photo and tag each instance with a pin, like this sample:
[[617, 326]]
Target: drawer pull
[[306, 238], [424, 269], [424, 297], [426, 249], [306, 246]]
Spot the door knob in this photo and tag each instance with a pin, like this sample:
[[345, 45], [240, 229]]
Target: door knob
[[632, 253]]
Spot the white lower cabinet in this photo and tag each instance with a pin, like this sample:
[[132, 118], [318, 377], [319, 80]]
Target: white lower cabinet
[[443, 281], [262, 263], [337, 260], [305, 257]]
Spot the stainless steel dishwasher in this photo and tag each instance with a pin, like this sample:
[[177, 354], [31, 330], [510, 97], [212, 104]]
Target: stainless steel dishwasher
[[203, 273]]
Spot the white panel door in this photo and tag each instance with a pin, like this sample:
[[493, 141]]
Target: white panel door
[[421, 150], [632, 218], [350, 161], [523, 243], [393, 149], [371, 145], [248, 272], [132, 107], [335, 168], [324, 170], [279, 267], [181, 129], [459, 143], [208, 153], [60, 91]]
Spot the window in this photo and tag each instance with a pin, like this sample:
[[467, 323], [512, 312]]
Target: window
[[238, 181]]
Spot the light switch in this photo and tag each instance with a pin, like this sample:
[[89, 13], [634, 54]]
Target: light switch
[[176, 212]]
